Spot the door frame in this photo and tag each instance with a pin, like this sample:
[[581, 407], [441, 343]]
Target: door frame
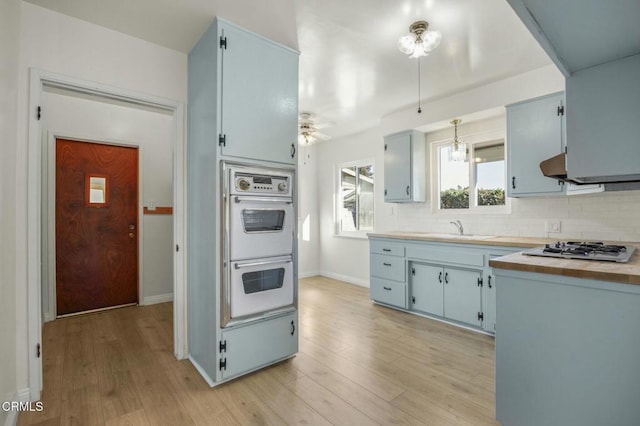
[[49, 243], [37, 79]]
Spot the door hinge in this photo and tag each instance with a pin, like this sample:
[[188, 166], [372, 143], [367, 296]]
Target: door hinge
[[223, 364], [177, 247], [560, 110], [385, 146], [222, 140], [38, 352], [413, 271], [39, 112], [480, 316], [223, 346], [223, 42], [385, 192], [480, 282], [566, 150], [413, 299]]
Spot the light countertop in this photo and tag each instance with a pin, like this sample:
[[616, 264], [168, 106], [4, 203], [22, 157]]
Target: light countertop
[[523, 242], [626, 273]]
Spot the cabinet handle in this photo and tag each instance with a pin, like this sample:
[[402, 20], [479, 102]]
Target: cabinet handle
[[293, 328], [440, 277], [513, 182], [408, 187], [387, 250], [386, 264], [446, 278], [293, 150], [387, 288], [489, 281]]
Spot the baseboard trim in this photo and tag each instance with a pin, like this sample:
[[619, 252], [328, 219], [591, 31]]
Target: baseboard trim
[[22, 395], [308, 274], [351, 280], [161, 298]]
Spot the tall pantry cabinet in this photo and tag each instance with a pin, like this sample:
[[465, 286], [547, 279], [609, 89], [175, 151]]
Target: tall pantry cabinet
[[243, 107]]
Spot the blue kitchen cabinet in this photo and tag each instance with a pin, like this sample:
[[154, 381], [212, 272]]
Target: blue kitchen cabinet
[[259, 97], [427, 290], [404, 167], [535, 132], [452, 293]]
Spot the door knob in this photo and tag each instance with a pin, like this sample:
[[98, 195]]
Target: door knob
[[132, 227], [132, 235]]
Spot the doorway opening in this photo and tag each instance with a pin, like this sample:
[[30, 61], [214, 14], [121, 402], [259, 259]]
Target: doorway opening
[[40, 81]]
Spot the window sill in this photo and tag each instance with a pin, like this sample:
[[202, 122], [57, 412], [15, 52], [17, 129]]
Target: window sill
[[353, 236]]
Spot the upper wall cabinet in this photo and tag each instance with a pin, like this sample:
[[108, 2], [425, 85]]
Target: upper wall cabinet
[[245, 88], [404, 167], [535, 132]]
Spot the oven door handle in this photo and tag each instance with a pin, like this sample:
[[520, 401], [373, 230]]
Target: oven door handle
[[275, 200], [266, 262]]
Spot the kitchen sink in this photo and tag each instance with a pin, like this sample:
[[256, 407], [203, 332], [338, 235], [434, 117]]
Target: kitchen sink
[[457, 236]]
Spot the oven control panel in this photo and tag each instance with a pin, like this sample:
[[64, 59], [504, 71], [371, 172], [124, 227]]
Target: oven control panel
[[248, 183]]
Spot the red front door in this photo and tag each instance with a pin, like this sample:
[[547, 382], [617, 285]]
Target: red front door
[[96, 226]]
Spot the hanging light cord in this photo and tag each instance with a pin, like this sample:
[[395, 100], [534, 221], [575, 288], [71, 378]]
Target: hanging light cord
[[419, 109]]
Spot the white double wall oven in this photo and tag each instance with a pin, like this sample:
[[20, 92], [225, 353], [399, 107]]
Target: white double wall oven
[[259, 221]]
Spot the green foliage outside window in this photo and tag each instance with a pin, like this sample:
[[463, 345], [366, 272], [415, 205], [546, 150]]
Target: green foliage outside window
[[458, 198]]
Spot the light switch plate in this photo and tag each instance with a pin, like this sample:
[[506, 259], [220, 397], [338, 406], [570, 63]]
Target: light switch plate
[[552, 226]]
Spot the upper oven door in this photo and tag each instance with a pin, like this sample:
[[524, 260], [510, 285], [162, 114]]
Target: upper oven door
[[260, 227]]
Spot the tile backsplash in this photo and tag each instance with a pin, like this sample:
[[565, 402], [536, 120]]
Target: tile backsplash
[[613, 216]]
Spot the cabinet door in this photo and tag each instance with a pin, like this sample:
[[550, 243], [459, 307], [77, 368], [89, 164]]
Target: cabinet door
[[462, 295], [489, 303], [397, 167], [258, 344], [534, 134], [259, 98], [427, 289]]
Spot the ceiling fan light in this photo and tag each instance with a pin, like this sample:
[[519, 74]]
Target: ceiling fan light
[[419, 50]]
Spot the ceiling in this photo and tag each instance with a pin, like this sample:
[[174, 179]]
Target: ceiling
[[351, 73]]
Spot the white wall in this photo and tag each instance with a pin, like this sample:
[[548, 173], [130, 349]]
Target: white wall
[[308, 218], [58, 43], [9, 56], [91, 118]]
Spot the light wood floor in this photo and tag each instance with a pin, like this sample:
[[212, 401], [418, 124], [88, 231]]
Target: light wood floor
[[358, 364]]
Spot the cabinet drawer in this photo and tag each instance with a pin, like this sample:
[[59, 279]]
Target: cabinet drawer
[[389, 267], [389, 292], [389, 248], [446, 255]]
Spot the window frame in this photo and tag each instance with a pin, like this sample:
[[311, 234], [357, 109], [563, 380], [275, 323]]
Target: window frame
[[471, 140], [338, 232]]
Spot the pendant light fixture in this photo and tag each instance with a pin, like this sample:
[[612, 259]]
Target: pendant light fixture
[[418, 43], [458, 149]]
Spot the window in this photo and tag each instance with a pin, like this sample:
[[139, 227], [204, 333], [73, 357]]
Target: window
[[477, 184], [355, 197]]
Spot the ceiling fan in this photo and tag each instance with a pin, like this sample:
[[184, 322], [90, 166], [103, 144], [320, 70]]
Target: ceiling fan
[[308, 133]]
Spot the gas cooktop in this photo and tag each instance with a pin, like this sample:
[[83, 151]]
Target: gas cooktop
[[584, 250]]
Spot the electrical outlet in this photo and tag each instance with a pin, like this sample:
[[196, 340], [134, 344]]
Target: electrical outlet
[[552, 226]]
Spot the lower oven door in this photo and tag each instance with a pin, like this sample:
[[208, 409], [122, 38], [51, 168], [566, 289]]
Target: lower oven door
[[260, 286], [260, 227]]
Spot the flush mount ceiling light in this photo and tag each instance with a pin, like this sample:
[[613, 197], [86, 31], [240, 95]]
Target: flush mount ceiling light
[[419, 42], [458, 149]]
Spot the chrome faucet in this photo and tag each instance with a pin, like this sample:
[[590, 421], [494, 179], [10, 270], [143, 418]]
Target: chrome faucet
[[458, 225]]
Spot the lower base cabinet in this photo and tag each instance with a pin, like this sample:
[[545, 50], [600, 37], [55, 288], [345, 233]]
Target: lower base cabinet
[[452, 293], [276, 338]]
